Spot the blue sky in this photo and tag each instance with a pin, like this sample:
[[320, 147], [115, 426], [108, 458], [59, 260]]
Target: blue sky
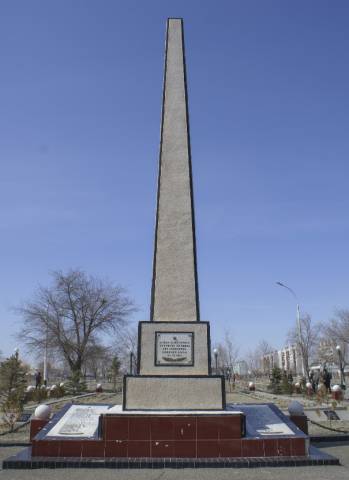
[[80, 100]]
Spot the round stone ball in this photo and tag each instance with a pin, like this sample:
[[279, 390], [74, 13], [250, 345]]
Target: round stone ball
[[99, 386], [295, 408], [42, 412], [309, 385], [61, 384], [43, 387], [53, 387], [297, 385], [336, 388], [30, 388]]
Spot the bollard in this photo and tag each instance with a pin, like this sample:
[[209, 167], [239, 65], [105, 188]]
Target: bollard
[[297, 416], [337, 393]]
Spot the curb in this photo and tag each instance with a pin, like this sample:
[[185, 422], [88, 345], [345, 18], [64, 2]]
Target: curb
[[329, 438], [15, 444]]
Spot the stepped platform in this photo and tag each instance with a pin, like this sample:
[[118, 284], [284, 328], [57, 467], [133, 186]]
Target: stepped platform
[[243, 435]]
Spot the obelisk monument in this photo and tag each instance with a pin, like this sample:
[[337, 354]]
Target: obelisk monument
[[174, 360], [175, 286]]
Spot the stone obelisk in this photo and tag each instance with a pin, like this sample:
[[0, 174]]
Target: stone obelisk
[[174, 360], [175, 285]]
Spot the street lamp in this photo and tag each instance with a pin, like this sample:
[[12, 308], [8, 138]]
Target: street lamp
[[341, 369], [131, 362], [45, 356], [298, 322], [215, 352]]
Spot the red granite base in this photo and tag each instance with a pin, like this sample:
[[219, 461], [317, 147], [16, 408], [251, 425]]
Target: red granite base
[[170, 436], [301, 421], [36, 425]]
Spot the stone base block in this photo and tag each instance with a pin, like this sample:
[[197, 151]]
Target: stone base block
[[149, 392], [147, 348]]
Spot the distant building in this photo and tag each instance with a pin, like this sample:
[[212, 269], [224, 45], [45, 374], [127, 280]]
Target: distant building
[[241, 368], [326, 352], [288, 358]]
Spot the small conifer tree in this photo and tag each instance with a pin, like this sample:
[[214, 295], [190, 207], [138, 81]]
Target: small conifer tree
[[286, 384], [275, 380], [12, 389], [76, 384]]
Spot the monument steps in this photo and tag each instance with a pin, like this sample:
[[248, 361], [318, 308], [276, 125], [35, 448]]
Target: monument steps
[[173, 440], [80, 430]]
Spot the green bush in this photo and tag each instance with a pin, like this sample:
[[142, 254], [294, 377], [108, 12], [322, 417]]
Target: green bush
[[12, 389], [286, 385], [76, 384], [275, 381]]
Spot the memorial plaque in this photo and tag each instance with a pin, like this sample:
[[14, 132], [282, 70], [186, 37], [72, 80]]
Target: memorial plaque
[[261, 420], [331, 415], [174, 348], [25, 416], [79, 421]]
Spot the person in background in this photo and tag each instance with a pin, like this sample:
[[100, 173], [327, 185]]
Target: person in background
[[327, 380], [316, 379], [37, 379], [311, 379]]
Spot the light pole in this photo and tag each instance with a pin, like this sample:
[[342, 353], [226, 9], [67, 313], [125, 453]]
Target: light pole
[[45, 357], [299, 328], [215, 352], [131, 362], [341, 369]]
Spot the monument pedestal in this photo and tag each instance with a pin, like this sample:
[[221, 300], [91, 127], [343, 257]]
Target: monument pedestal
[[170, 392], [174, 369]]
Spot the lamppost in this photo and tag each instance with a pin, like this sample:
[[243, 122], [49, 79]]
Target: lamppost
[[45, 357], [215, 352], [341, 369], [131, 362], [299, 328]]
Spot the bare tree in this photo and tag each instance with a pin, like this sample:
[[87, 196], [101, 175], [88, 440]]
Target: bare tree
[[264, 347], [306, 340], [232, 350], [227, 352], [98, 359], [72, 314], [326, 350], [125, 344], [253, 360], [336, 332]]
